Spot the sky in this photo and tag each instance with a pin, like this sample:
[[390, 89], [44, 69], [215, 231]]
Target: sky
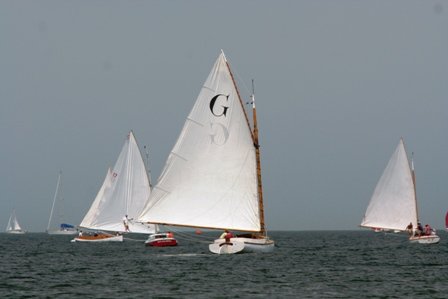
[[337, 84]]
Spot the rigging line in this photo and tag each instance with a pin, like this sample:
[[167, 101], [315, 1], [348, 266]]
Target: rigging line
[[240, 79]]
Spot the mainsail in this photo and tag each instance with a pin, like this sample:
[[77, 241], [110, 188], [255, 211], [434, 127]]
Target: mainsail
[[393, 203], [125, 191], [210, 178]]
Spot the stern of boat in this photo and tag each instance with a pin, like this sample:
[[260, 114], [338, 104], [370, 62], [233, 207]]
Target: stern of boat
[[431, 239]]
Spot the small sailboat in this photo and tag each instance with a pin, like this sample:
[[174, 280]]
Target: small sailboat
[[13, 226], [120, 199], [212, 177], [393, 206], [63, 228]]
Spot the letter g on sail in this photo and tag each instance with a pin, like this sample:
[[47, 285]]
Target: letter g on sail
[[216, 111]]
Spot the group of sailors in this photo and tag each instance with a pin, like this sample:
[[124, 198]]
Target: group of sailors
[[420, 230]]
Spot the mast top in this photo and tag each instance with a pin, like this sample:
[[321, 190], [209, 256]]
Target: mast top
[[252, 96]]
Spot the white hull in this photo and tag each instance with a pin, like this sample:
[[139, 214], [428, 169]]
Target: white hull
[[224, 247], [242, 245], [15, 232], [62, 232], [108, 239], [431, 239]]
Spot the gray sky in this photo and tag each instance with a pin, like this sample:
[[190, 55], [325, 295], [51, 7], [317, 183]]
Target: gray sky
[[337, 84]]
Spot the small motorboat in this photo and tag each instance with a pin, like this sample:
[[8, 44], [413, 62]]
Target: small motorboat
[[161, 240]]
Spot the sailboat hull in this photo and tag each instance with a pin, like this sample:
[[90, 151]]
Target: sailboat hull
[[429, 239], [223, 247], [62, 232], [16, 232], [160, 240], [99, 238], [242, 245]]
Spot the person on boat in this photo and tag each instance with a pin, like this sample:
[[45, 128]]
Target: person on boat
[[223, 235], [169, 235], [428, 229], [126, 222], [419, 230], [409, 228], [80, 233], [226, 235]]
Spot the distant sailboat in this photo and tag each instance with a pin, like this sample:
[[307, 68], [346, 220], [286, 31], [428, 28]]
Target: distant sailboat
[[63, 228], [212, 178], [393, 206], [120, 199], [13, 226]]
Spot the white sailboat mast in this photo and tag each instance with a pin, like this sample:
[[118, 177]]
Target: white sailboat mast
[[56, 192]]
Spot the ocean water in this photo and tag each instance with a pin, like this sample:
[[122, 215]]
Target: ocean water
[[321, 264]]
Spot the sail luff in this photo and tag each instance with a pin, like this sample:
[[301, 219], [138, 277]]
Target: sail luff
[[128, 181], [411, 169], [148, 171], [415, 186], [239, 98]]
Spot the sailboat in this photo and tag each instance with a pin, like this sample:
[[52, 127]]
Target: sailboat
[[120, 199], [13, 226], [393, 206], [212, 177], [63, 228]]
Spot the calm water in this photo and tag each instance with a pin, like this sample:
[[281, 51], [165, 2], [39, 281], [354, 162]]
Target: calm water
[[354, 264]]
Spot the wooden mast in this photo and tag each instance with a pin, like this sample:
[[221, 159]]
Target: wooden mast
[[254, 135], [258, 159]]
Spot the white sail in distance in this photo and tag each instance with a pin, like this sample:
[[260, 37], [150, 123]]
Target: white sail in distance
[[393, 203], [125, 191], [13, 223], [209, 179]]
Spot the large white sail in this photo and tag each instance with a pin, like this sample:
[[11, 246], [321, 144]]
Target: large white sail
[[125, 191], [393, 203], [209, 179]]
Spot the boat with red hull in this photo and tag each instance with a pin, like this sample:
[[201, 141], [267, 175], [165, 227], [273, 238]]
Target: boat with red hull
[[161, 240]]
